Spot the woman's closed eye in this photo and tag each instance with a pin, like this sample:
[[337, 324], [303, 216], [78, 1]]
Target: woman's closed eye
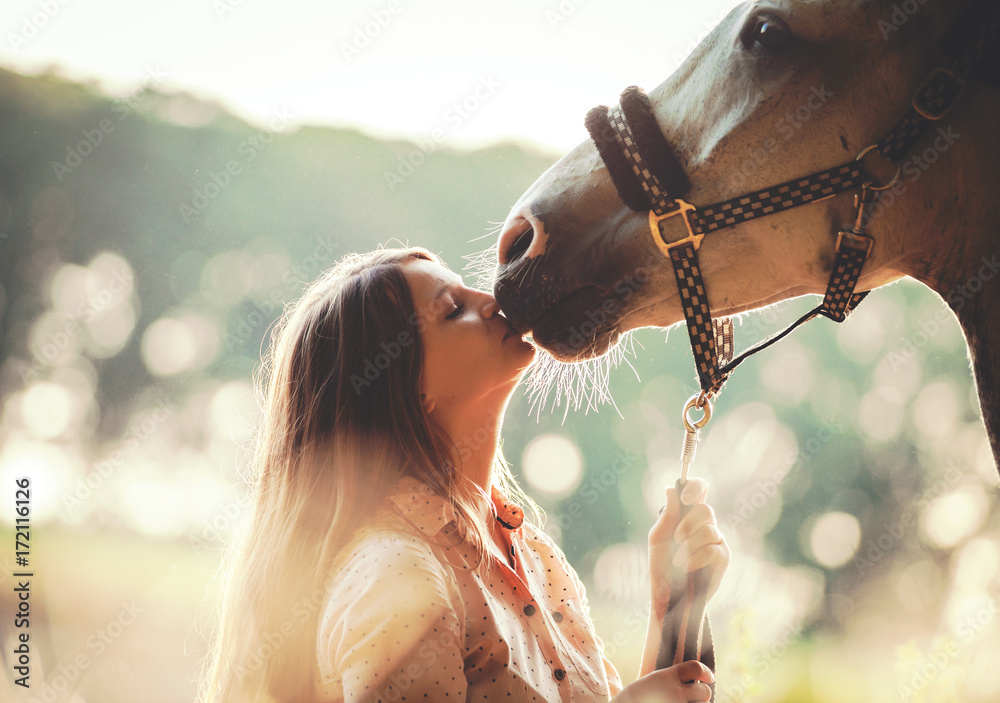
[[456, 312]]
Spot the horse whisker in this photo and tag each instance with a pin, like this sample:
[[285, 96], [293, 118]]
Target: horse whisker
[[574, 386]]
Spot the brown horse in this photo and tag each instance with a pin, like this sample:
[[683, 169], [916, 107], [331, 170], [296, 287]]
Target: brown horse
[[778, 90]]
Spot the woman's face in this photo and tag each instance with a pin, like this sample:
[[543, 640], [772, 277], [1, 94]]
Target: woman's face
[[471, 352]]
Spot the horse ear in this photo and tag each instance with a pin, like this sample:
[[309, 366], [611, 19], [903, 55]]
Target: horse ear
[[599, 125], [952, 43]]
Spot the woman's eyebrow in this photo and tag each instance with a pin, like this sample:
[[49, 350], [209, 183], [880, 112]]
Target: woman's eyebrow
[[448, 286], [444, 289]]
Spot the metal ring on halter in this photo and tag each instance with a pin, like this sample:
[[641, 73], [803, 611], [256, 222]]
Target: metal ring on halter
[[699, 401], [885, 186]]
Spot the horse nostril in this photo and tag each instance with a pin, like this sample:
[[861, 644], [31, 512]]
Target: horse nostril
[[520, 245], [515, 240]]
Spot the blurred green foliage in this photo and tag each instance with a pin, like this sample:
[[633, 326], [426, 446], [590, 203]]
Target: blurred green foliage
[[895, 389]]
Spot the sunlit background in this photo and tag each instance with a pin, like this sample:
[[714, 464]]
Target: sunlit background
[[251, 145]]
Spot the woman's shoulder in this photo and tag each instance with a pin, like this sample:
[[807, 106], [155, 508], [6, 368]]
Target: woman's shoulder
[[388, 583], [383, 564], [385, 543]]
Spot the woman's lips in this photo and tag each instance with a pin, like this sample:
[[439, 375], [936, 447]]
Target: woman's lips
[[510, 327], [511, 333]]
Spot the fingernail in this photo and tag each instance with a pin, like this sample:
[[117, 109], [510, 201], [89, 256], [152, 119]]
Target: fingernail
[[688, 494]]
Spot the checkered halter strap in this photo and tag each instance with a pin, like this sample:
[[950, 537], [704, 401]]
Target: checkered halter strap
[[649, 177]]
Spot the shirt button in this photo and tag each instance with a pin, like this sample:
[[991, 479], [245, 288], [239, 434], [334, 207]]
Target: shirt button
[[529, 609], [557, 616], [560, 674]]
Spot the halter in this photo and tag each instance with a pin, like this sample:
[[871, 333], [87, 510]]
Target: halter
[[648, 176]]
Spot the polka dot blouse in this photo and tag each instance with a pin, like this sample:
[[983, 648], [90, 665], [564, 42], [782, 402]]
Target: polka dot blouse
[[415, 613]]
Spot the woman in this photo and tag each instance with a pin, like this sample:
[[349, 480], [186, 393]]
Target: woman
[[386, 556]]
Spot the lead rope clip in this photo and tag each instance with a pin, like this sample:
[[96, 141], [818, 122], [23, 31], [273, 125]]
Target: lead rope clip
[[692, 431]]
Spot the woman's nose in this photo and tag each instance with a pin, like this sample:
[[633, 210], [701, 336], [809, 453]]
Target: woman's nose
[[490, 306]]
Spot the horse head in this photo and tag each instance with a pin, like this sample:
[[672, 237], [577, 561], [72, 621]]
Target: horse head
[[778, 90]]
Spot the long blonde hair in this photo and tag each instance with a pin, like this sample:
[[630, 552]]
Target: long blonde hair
[[342, 422]]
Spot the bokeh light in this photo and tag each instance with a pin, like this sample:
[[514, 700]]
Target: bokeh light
[[936, 409], [848, 464], [919, 585], [862, 336], [621, 572], [553, 464], [48, 410], [234, 412], [834, 539], [52, 470], [954, 517], [880, 413], [977, 563], [788, 372], [174, 345]]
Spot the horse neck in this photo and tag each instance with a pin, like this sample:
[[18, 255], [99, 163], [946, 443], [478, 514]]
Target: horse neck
[[948, 237], [976, 303]]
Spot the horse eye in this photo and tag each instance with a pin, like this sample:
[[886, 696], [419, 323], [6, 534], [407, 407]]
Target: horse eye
[[769, 32]]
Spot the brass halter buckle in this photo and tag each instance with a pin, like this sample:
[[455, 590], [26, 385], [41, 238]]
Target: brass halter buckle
[[682, 208]]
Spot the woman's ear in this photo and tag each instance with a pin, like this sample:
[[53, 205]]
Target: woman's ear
[[427, 403]]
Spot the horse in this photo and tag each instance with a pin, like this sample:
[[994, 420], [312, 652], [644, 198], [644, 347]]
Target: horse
[[778, 89]]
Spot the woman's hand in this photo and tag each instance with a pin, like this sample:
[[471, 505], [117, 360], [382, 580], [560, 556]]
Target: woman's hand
[[690, 543], [666, 685]]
